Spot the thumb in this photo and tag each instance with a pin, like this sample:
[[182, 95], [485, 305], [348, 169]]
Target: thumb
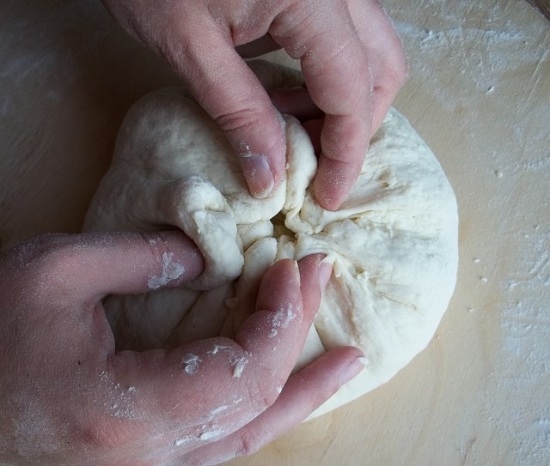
[[231, 94]]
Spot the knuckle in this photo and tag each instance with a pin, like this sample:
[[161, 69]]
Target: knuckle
[[249, 442], [290, 28], [395, 63], [241, 119], [263, 390], [100, 433], [394, 72], [112, 418], [400, 69], [270, 397]]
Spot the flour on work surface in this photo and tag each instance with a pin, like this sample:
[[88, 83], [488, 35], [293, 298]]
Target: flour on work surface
[[393, 243], [492, 74], [523, 364]]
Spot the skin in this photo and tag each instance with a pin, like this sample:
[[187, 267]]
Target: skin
[[351, 57], [67, 397]]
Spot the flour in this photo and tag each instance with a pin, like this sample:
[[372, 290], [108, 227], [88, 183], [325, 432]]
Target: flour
[[453, 62], [36, 433], [219, 410], [489, 54], [211, 433], [238, 365], [171, 271], [282, 319], [236, 362], [190, 363], [220, 348], [184, 441], [205, 433], [523, 361], [120, 400]]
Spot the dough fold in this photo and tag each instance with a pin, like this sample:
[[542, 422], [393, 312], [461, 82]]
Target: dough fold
[[393, 242]]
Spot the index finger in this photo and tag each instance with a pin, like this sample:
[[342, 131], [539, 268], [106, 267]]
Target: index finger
[[340, 82]]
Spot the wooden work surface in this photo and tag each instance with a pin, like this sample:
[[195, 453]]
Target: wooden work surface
[[479, 93]]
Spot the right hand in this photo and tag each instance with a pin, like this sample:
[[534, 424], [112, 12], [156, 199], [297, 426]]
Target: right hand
[[352, 60]]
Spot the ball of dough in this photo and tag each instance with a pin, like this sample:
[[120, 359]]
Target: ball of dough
[[393, 242]]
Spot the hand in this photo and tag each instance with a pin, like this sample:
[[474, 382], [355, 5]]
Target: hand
[[67, 397], [351, 57]]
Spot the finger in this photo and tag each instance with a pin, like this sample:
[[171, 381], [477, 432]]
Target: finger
[[340, 83], [190, 384], [87, 267], [278, 322], [231, 94], [385, 53], [313, 129], [282, 289], [297, 102], [315, 272], [304, 392]]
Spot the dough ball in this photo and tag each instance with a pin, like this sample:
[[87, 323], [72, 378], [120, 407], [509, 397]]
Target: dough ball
[[393, 242]]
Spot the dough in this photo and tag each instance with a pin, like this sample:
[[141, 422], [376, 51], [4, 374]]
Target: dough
[[393, 242]]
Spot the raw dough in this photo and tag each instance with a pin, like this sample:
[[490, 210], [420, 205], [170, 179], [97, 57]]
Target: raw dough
[[393, 242]]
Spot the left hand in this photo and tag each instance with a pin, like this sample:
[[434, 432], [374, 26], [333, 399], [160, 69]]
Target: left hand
[[68, 398]]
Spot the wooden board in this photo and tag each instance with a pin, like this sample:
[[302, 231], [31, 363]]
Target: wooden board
[[543, 6], [479, 93]]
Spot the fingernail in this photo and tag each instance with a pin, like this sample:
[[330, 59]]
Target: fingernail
[[258, 174], [353, 369], [325, 271]]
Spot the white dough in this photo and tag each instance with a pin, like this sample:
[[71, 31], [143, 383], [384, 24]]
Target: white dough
[[393, 242]]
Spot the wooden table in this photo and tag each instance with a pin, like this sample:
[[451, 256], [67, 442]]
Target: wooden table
[[479, 93]]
